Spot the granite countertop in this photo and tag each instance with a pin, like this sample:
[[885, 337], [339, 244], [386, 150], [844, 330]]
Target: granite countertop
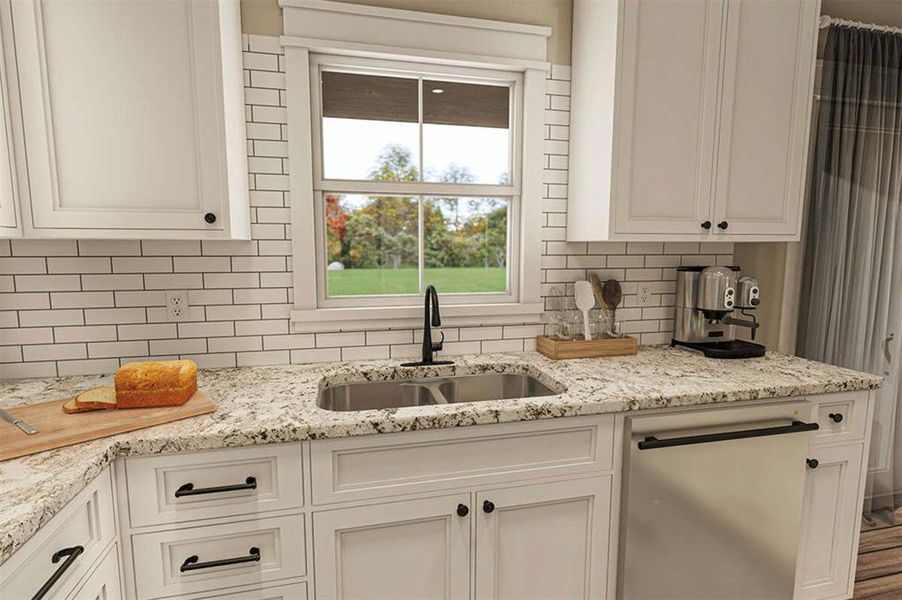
[[263, 405]]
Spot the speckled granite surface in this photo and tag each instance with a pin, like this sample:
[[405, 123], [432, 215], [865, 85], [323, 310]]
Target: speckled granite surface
[[261, 405]]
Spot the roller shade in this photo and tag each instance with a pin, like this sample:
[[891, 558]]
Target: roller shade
[[379, 98]]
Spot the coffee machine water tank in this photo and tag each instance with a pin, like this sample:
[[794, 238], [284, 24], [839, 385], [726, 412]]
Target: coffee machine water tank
[[747, 293], [716, 292]]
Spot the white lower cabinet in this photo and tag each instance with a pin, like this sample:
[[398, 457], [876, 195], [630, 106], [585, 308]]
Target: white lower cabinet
[[544, 541], [404, 549], [59, 555], [104, 582], [541, 540], [831, 513]]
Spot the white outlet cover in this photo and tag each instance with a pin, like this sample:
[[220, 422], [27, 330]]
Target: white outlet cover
[[643, 294], [177, 305]]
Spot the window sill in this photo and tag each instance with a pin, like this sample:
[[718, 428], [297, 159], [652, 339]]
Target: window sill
[[411, 317]]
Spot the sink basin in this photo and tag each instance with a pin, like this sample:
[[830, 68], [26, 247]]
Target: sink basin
[[369, 395]]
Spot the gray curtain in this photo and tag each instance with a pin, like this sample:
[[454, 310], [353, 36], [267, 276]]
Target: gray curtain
[[851, 304]]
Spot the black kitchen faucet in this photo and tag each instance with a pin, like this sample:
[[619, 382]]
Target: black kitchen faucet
[[431, 318]]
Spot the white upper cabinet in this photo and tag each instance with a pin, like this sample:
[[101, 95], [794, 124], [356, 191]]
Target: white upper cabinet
[[667, 105], [132, 119], [766, 109], [9, 222], [689, 118]]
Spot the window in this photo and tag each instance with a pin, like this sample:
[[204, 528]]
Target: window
[[415, 181], [416, 148]]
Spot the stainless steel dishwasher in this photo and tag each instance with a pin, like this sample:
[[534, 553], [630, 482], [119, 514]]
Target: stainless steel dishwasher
[[712, 501]]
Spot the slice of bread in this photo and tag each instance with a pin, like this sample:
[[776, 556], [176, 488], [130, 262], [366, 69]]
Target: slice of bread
[[100, 398], [156, 383], [71, 407]]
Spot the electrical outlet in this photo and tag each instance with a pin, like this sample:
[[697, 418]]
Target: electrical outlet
[[177, 305], [644, 294]]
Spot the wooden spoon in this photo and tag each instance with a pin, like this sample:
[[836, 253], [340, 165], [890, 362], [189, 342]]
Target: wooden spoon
[[612, 294]]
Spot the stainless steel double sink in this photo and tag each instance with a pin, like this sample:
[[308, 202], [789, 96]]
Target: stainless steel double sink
[[455, 389]]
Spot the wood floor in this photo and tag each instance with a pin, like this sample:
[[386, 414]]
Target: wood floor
[[879, 574]]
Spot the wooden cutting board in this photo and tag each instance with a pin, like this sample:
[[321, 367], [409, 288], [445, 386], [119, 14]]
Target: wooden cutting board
[[57, 429]]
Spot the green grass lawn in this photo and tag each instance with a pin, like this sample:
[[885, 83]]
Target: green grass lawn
[[368, 282]]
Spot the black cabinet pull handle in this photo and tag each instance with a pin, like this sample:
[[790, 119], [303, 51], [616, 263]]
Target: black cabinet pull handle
[[812, 463], [836, 417], [188, 489], [651, 442], [70, 554], [191, 563], [488, 506], [706, 225], [210, 218], [723, 225], [462, 510]]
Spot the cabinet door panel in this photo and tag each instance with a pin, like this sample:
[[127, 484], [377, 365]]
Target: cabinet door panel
[[9, 225], [104, 582], [667, 114], [410, 549], [767, 95], [122, 113], [544, 541], [830, 515]]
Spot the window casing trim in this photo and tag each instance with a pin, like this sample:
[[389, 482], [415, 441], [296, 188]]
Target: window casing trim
[[457, 44]]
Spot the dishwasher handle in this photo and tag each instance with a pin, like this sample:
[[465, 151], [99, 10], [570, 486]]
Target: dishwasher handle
[[651, 442]]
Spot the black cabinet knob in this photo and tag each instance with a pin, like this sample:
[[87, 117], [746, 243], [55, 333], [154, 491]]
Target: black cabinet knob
[[812, 463], [723, 225], [836, 417], [210, 218], [462, 510], [706, 225], [488, 506]]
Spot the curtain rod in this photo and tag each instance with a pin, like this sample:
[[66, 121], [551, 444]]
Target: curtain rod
[[827, 21]]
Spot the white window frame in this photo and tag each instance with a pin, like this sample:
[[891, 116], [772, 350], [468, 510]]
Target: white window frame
[[448, 48], [419, 189]]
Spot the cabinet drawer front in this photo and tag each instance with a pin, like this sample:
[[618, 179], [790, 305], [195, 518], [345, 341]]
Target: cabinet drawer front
[[379, 466], [199, 559], [296, 591], [842, 417], [86, 522], [227, 482], [103, 583]]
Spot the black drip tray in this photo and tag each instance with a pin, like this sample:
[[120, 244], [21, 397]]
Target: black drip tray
[[731, 349]]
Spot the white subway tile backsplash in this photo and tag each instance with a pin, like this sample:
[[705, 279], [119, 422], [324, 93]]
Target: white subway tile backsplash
[[112, 316], [88, 333], [81, 299], [155, 331], [46, 283], [79, 265], [161, 264], [87, 306], [117, 349], [53, 352], [112, 282], [50, 318]]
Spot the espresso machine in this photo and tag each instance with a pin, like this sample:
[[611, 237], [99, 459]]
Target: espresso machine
[[707, 300]]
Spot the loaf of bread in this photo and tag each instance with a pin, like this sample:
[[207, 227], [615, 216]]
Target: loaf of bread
[[155, 383]]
